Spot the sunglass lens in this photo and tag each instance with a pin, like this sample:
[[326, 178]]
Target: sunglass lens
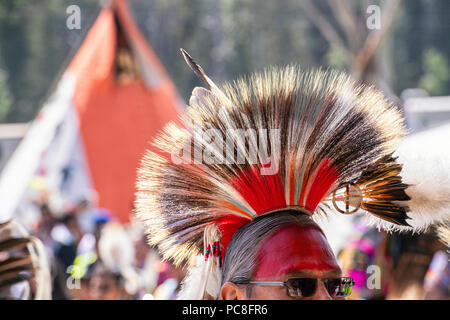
[[301, 287], [340, 287]]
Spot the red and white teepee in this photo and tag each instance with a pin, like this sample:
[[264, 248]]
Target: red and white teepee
[[92, 132]]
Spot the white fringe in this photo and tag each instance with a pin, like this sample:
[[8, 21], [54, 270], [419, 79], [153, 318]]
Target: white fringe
[[194, 283], [203, 278]]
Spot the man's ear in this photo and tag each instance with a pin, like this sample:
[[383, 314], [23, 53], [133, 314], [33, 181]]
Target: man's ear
[[230, 291]]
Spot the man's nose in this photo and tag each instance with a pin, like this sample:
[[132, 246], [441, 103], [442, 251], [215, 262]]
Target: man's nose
[[321, 292]]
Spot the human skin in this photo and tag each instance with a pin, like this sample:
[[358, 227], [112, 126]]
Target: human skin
[[104, 287], [292, 251]]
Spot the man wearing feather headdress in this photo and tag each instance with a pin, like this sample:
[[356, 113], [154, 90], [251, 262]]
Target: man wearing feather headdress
[[248, 232]]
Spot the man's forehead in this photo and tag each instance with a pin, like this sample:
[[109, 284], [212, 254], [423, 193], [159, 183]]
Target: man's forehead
[[296, 249], [333, 273]]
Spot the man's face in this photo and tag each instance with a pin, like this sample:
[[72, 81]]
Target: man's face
[[294, 252], [104, 287]]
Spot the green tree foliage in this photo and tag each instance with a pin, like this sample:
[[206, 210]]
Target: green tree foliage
[[419, 26], [5, 96], [34, 47], [229, 37], [437, 72], [336, 58]]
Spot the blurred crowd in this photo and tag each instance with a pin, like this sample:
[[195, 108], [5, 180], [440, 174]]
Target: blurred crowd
[[93, 256], [396, 266]]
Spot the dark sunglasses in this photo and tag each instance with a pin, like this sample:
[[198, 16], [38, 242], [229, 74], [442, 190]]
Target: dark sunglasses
[[306, 287]]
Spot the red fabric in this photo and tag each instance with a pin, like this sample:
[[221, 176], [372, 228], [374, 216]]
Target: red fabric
[[118, 121]]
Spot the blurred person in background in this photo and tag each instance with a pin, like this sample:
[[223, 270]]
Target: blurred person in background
[[169, 282], [90, 240], [105, 284], [366, 250], [46, 223], [412, 256], [114, 272], [66, 236], [87, 253], [394, 266], [437, 278], [147, 261]]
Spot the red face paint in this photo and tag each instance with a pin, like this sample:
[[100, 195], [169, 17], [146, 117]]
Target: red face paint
[[294, 248]]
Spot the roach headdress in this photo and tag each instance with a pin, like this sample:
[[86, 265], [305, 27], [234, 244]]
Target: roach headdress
[[284, 139]]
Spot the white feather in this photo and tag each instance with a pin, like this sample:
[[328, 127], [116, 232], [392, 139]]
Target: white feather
[[193, 285], [425, 157], [426, 167], [203, 279]]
